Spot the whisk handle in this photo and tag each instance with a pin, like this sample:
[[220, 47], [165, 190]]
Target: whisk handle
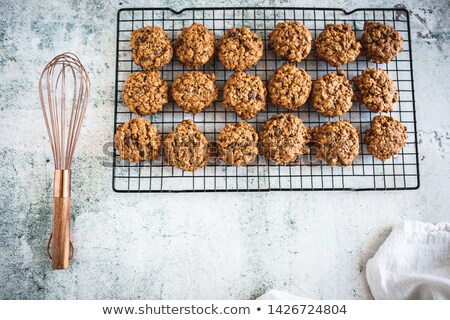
[[61, 220]]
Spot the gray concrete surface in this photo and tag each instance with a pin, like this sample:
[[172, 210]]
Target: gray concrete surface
[[198, 246]]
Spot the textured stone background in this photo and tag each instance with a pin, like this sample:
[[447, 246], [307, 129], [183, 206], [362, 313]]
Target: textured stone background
[[218, 246]]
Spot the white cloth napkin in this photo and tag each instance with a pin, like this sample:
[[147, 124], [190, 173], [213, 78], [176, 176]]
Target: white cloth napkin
[[413, 263], [279, 295]]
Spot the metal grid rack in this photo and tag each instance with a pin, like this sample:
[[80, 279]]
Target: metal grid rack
[[367, 173]]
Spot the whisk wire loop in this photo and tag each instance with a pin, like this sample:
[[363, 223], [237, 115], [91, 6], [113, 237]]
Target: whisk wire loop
[[63, 117]]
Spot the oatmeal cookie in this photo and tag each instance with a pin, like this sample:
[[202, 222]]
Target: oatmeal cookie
[[284, 138], [186, 148], [195, 91], [289, 87], [137, 140], [377, 90], [245, 94], [290, 40], [151, 47], [385, 138], [337, 143], [337, 44], [237, 144], [195, 46], [145, 93], [380, 42], [332, 94], [240, 49]]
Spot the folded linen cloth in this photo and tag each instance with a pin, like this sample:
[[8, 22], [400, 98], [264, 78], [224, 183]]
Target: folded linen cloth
[[279, 295], [413, 263]]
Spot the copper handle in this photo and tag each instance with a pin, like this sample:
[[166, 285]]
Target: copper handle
[[61, 220]]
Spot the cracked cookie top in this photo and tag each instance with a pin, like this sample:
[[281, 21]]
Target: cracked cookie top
[[151, 47], [337, 143], [195, 46], [337, 44], [240, 49], [237, 144], [284, 138], [332, 94], [385, 138], [289, 87], [145, 93], [186, 148], [245, 94], [290, 40], [195, 91], [377, 90], [137, 140], [380, 42]]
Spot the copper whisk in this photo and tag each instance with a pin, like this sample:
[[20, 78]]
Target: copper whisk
[[64, 89]]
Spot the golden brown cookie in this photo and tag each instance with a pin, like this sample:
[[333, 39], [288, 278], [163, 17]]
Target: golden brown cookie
[[186, 148], [337, 143], [151, 47], [237, 144], [377, 90], [195, 91], [385, 138], [195, 46], [290, 40], [284, 138], [380, 42], [289, 87], [245, 94], [332, 94], [240, 49], [337, 44], [145, 93], [137, 140]]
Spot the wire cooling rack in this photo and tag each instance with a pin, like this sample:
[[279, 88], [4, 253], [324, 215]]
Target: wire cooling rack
[[367, 173]]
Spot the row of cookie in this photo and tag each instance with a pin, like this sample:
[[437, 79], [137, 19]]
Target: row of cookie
[[241, 48], [146, 93], [283, 139]]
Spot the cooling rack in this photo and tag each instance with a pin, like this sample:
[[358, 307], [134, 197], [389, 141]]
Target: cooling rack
[[367, 173]]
